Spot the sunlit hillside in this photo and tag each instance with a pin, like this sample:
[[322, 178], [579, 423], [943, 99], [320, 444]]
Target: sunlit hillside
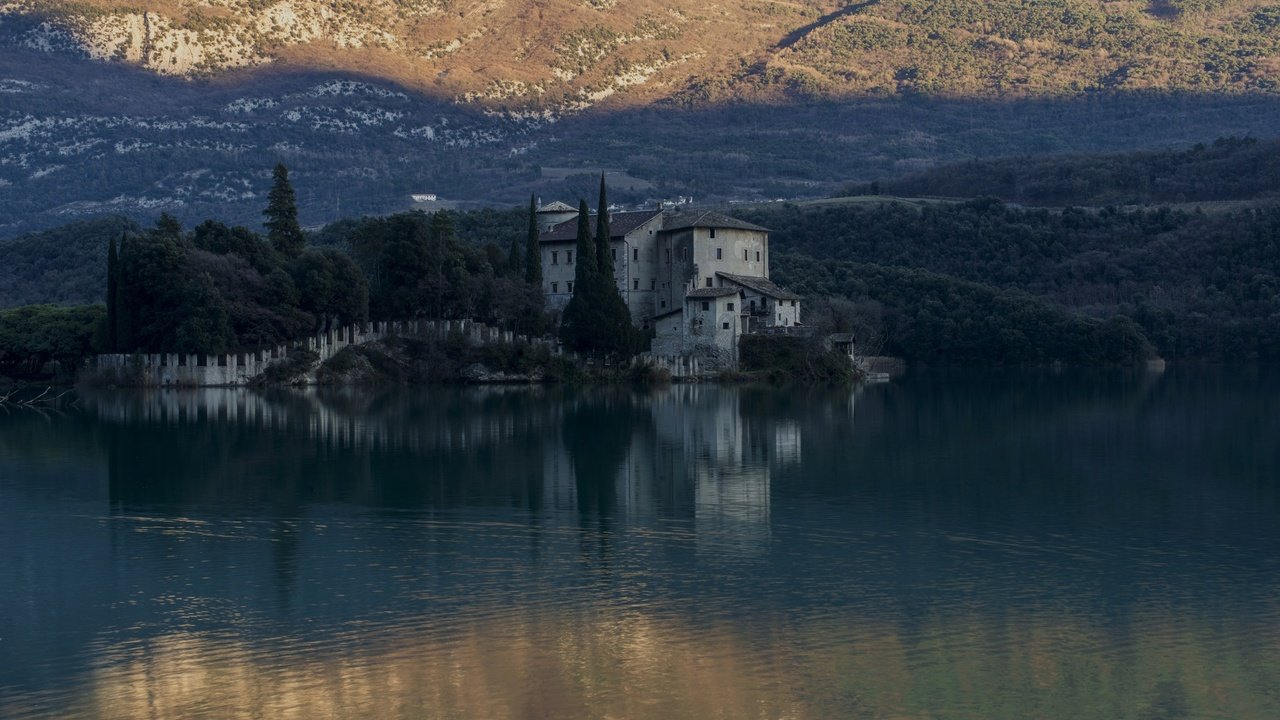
[[569, 54]]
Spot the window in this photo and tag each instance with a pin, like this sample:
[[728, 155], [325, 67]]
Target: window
[[713, 232], [635, 254], [744, 256], [706, 305], [724, 325], [719, 253], [614, 253], [757, 256], [568, 256], [793, 303], [729, 307], [663, 303], [653, 284], [555, 287], [635, 284], [570, 284], [668, 255], [708, 282], [555, 257]]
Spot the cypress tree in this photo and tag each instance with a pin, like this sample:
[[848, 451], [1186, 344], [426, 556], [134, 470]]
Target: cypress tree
[[113, 270], [596, 320], [577, 324], [585, 270], [514, 256], [124, 298], [282, 215], [532, 253], [604, 256]]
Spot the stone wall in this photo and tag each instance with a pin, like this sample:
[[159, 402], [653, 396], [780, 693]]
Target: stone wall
[[237, 369], [680, 367]]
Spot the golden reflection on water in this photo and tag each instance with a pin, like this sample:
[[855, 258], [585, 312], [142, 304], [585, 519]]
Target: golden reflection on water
[[644, 665]]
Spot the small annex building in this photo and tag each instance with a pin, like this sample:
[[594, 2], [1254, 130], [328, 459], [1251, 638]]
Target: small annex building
[[698, 278]]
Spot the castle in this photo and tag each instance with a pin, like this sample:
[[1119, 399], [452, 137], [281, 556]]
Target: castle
[[698, 278]]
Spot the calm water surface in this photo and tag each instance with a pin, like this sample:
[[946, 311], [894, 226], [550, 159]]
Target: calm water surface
[[1074, 545]]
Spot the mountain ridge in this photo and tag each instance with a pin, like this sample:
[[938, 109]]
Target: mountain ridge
[[568, 55], [81, 137]]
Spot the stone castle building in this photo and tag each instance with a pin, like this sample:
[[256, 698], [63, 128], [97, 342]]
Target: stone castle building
[[698, 278]]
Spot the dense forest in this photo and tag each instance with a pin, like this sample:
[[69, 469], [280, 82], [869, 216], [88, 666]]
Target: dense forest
[[1227, 169], [972, 281], [1201, 285], [933, 318], [217, 288]]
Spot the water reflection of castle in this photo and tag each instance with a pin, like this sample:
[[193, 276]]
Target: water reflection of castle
[[701, 453], [696, 451]]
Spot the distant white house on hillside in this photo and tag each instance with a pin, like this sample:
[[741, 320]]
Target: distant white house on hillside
[[698, 278]]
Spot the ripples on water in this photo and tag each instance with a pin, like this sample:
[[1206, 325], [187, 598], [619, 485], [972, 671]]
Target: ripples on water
[[1004, 546]]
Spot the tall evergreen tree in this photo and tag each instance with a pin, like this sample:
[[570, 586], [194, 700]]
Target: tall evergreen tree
[[596, 320], [584, 272], [113, 289], [169, 227], [282, 215], [604, 254], [514, 257], [532, 252], [125, 320]]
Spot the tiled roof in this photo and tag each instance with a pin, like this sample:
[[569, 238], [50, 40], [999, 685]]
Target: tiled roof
[[713, 292], [706, 218], [620, 223], [556, 206], [760, 285], [668, 313]]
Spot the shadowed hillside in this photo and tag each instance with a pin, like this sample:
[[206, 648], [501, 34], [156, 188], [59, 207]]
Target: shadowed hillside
[[1229, 169], [80, 139]]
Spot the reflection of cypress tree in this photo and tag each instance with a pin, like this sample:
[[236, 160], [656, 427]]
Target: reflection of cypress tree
[[597, 434]]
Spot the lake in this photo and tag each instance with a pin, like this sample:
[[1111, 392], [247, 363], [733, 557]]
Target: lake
[[1081, 544]]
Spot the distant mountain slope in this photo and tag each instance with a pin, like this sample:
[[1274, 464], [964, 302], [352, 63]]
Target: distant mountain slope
[[366, 110], [1229, 169], [567, 54], [80, 139]]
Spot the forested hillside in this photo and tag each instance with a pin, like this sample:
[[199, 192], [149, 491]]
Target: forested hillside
[[933, 318], [63, 266], [1197, 285], [1227, 169], [1200, 285]]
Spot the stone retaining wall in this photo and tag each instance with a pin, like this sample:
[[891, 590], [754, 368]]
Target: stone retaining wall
[[236, 369]]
